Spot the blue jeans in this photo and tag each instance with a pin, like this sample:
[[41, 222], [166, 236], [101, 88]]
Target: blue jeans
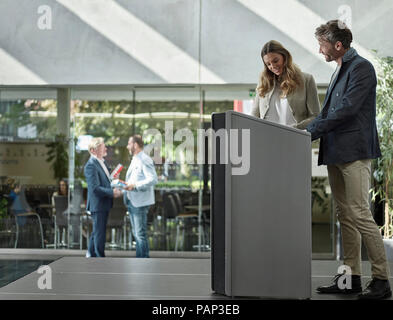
[[138, 218], [98, 236]]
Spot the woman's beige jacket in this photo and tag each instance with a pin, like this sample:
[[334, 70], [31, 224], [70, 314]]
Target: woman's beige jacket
[[304, 102]]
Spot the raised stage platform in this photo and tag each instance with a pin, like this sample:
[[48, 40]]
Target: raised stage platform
[[119, 278]]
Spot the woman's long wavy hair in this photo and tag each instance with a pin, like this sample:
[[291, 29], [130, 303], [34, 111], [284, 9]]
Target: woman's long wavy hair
[[290, 78]]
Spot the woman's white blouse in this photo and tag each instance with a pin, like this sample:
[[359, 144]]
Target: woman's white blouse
[[280, 110]]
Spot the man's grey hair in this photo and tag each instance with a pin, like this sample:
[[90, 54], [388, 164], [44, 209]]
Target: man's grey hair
[[333, 31], [94, 143]]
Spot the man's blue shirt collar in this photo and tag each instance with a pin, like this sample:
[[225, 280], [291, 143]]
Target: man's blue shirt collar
[[351, 53]]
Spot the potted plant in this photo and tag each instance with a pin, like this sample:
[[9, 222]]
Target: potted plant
[[383, 172], [58, 156]]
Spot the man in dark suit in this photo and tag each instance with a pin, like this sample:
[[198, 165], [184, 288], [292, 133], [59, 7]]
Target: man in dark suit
[[99, 196], [348, 136]]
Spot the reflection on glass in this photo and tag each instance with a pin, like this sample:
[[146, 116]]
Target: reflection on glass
[[26, 127], [28, 138]]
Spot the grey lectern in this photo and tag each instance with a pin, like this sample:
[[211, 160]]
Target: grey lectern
[[261, 217]]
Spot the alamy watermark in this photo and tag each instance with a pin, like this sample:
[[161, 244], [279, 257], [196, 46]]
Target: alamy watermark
[[44, 282], [44, 21], [345, 280], [234, 147], [345, 16]]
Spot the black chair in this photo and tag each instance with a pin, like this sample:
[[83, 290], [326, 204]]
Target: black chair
[[43, 195], [22, 210], [185, 219], [174, 211], [205, 216], [32, 197], [170, 211], [153, 224], [87, 222], [76, 214], [61, 221]]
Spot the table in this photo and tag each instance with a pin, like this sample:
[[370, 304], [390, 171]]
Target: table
[[205, 207]]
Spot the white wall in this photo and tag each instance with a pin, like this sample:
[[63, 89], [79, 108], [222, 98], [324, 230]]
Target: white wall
[[112, 42]]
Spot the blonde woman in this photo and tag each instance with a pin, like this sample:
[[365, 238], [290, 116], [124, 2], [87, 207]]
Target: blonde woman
[[285, 94]]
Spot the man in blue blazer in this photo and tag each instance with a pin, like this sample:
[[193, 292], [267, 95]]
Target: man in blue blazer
[[348, 137], [99, 195]]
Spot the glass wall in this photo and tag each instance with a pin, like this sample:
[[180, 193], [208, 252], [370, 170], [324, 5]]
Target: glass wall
[[28, 124], [48, 166], [165, 118], [324, 233]]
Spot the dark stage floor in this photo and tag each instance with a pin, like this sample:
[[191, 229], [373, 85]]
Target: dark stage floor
[[117, 278]]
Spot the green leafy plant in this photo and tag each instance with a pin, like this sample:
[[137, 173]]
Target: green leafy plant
[[318, 193], [3, 208], [58, 156], [3, 211], [383, 172]]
